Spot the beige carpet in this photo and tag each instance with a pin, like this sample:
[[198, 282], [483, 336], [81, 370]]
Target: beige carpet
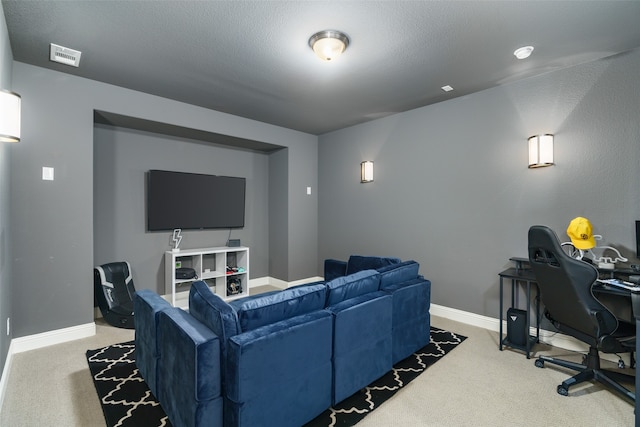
[[474, 385]]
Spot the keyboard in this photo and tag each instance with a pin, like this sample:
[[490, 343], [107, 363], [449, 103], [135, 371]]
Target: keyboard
[[634, 287]]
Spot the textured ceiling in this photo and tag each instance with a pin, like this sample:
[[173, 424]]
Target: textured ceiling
[[251, 58]]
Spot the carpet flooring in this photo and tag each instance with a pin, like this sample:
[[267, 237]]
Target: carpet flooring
[[126, 400]]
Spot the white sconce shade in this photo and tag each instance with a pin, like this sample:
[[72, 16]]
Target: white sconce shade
[[328, 44], [9, 116], [540, 151], [366, 171]]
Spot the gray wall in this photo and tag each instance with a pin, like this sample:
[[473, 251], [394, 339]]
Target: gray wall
[[278, 220], [122, 157], [452, 189], [6, 284], [52, 221]]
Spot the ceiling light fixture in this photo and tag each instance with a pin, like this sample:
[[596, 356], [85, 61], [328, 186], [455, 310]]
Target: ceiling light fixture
[[447, 88], [328, 44], [523, 52]]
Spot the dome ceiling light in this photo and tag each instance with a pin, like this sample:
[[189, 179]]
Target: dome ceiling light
[[328, 44]]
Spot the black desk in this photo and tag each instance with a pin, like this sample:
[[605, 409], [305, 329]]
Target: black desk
[[601, 290], [519, 274], [522, 274]]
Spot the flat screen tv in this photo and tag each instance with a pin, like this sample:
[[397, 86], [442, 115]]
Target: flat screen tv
[[194, 201]]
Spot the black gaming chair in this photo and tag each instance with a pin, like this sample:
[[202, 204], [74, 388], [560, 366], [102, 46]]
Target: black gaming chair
[[114, 292], [565, 288]]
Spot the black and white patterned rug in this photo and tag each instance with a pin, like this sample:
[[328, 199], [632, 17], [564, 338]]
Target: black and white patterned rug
[[126, 400]]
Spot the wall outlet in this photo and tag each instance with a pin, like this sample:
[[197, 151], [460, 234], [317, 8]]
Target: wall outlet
[[8, 326]]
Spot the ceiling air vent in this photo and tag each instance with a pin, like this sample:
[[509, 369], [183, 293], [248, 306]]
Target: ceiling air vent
[[65, 55]]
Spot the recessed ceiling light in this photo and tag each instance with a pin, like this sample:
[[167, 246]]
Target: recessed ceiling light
[[447, 88], [523, 52]]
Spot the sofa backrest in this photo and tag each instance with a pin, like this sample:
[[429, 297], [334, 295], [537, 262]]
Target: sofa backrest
[[261, 310], [359, 263], [351, 286], [398, 273], [211, 310]]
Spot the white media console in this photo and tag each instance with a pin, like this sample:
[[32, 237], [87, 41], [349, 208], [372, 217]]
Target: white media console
[[225, 269]]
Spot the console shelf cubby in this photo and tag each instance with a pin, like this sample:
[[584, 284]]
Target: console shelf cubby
[[225, 269]]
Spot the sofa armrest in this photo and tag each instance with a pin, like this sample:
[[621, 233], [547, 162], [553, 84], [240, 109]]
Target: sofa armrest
[[362, 342], [282, 369], [411, 317], [334, 268], [147, 307], [190, 389]]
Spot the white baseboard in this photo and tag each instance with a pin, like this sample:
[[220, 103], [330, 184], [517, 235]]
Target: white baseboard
[[5, 375], [555, 339], [36, 341], [32, 342], [59, 336]]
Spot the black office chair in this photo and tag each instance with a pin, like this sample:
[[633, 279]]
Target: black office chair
[[565, 288]]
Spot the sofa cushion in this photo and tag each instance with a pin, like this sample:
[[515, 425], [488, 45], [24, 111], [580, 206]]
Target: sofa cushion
[[334, 268], [351, 286], [262, 310], [358, 263], [398, 273], [302, 285], [211, 310]]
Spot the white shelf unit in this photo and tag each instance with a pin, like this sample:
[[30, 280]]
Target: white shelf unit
[[210, 265]]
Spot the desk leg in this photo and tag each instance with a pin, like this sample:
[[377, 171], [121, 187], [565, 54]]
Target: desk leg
[[537, 314], [500, 337], [528, 319]]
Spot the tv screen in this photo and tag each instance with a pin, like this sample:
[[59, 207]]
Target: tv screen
[[194, 201]]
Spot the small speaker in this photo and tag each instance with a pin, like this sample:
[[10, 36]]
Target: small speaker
[[233, 243], [517, 327]]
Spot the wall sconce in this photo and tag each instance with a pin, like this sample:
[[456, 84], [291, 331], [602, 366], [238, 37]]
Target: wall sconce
[[540, 151], [366, 171], [9, 116]]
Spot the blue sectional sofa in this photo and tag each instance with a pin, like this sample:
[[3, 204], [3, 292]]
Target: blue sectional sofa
[[283, 357]]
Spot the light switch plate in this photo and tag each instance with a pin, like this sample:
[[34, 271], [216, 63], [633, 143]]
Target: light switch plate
[[47, 173]]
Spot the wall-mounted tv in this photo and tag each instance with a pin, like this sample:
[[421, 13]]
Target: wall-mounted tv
[[194, 201]]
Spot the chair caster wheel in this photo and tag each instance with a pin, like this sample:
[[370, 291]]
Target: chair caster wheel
[[563, 390], [539, 363]]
